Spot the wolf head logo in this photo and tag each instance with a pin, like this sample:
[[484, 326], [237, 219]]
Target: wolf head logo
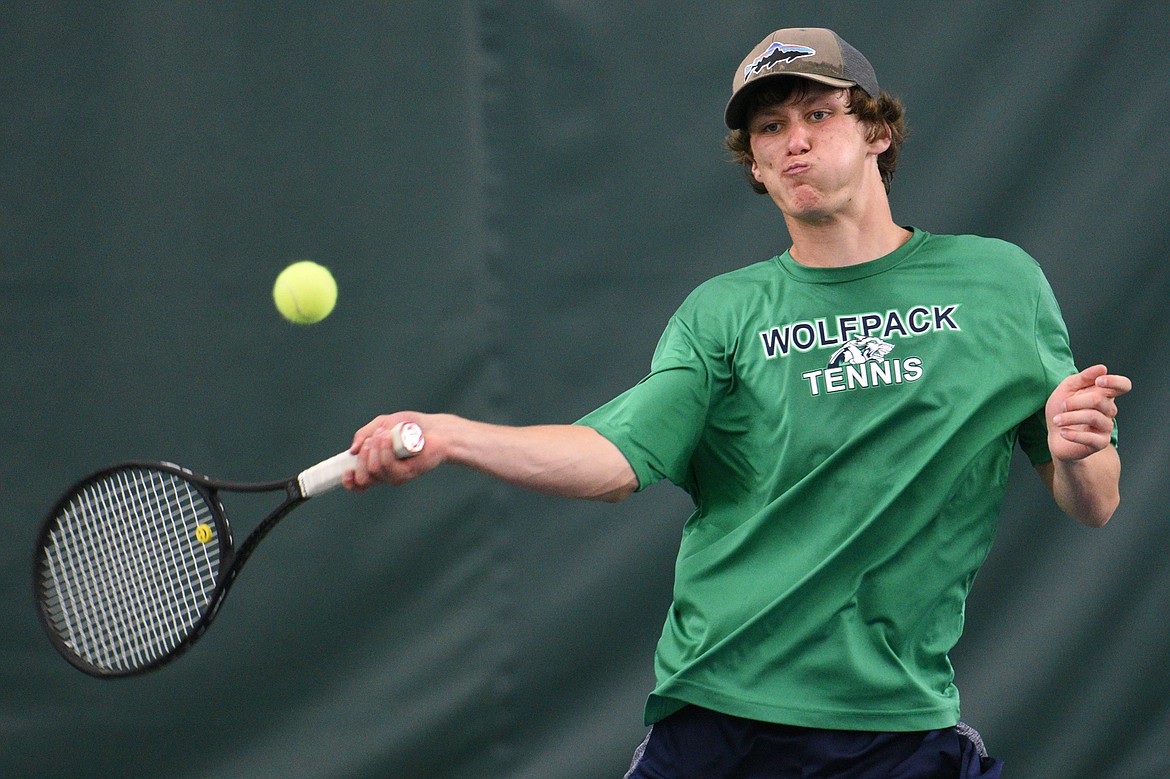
[[860, 350], [775, 54]]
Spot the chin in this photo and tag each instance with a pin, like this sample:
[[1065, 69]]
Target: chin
[[811, 213], [803, 204]]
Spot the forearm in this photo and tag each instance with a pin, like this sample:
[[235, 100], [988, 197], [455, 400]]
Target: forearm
[[1087, 489], [566, 460]]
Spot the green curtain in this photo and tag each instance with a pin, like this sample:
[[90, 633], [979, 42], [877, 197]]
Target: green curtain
[[513, 198]]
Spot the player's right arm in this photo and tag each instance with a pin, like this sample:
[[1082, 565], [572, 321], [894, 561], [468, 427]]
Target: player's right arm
[[567, 460]]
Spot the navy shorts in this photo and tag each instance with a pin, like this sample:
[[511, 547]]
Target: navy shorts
[[696, 743]]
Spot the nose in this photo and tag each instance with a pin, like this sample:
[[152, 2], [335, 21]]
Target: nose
[[798, 138]]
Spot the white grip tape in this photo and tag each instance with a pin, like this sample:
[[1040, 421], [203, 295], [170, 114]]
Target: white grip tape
[[406, 438], [326, 475]]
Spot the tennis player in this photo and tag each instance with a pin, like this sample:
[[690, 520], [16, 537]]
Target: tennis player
[[843, 416]]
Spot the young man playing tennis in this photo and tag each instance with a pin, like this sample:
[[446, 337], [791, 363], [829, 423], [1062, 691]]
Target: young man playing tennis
[[843, 416]]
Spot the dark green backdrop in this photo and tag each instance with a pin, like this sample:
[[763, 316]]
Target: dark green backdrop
[[514, 197]]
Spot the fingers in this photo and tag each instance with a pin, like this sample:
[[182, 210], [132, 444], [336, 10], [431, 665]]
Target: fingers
[[1078, 434], [376, 462], [1115, 385], [366, 431], [1081, 412], [1090, 428], [1084, 380], [1092, 440], [1097, 376], [1093, 387], [1088, 411], [1075, 406]]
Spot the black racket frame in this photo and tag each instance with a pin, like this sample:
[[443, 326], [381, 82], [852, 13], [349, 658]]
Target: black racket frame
[[231, 560]]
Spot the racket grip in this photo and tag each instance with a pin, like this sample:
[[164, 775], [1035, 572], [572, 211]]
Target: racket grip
[[406, 438], [325, 475]]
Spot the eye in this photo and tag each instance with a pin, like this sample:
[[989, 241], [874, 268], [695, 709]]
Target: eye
[[819, 115]]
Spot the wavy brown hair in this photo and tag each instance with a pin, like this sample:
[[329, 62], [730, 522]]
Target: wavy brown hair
[[882, 115]]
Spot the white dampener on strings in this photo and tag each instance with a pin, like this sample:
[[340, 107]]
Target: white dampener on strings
[[406, 437]]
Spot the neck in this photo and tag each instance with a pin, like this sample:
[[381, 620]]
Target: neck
[[841, 245], [849, 237]]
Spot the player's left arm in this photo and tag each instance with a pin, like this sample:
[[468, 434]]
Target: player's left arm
[[1085, 469]]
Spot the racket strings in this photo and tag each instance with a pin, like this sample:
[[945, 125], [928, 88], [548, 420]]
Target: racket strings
[[124, 576]]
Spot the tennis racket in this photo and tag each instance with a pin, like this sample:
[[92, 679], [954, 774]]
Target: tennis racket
[[134, 561]]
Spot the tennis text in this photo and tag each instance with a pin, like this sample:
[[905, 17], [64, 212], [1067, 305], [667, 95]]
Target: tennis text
[[877, 373]]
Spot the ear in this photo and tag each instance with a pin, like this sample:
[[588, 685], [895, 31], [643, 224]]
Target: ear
[[880, 139], [756, 171]]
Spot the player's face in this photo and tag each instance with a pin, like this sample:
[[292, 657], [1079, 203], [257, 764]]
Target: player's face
[[813, 156]]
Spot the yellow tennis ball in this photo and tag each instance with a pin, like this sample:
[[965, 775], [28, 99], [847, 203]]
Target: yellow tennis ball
[[305, 292], [203, 533]]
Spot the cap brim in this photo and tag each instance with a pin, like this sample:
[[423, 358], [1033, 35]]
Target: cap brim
[[733, 114]]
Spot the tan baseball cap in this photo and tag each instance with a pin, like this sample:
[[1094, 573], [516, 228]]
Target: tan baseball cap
[[807, 52]]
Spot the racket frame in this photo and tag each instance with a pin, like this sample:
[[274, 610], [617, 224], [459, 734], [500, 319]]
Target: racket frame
[[231, 560], [407, 439]]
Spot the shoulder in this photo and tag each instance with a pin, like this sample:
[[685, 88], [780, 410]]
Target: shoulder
[[734, 288], [979, 248], [982, 260], [715, 313]]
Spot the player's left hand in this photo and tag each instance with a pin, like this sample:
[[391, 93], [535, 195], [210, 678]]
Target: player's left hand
[[1080, 412]]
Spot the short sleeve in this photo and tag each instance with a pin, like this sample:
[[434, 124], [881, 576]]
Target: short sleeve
[[657, 423], [1056, 363]]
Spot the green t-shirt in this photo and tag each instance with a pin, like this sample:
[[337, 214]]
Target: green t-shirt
[[845, 434]]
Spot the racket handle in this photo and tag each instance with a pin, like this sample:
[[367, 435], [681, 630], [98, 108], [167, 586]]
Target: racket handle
[[406, 438], [326, 475]]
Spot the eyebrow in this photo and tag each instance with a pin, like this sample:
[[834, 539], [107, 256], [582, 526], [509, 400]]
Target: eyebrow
[[810, 98]]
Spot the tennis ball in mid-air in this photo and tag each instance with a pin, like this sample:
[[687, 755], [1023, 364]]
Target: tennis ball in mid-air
[[305, 292]]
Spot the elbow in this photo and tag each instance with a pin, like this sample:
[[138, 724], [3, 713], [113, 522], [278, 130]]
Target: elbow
[[1100, 516], [616, 496], [1094, 513], [618, 493], [615, 477], [1095, 522], [620, 487]]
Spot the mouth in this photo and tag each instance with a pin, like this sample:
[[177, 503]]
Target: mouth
[[793, 168]]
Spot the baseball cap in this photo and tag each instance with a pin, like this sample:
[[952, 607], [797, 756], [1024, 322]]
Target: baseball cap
[[814, 53]]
